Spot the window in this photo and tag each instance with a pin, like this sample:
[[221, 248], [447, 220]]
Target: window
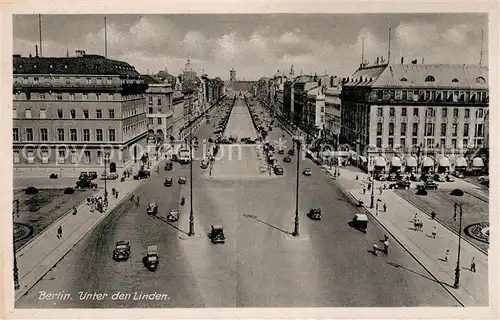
[[150, 100], [159, 103], [71, 96], [85, 96], [59, 113], [442, 143], [380, 94], [438, 96], [443, 129], [150, 110], [59, 96], [391, 142], [379, 142], [402, 142], [112, 136], [427, 95], [430, 79], [60, 134], [98, 96], [98, 134], [391, 128], [43, 114], [444, 112], [392, 112], [72, 134], [41, 96], [414, 141], [479, 113], [467, 113], [379, 112], [403, 129], [61, 156], [429, 112], [379, 129], [86, 113], [391, 94], [414, 131], [86, 134], [466, 130], [99, 157], [429, 129], [99, 81], [87, 156], [29, 134], [405, 95], [27, 114], [111, 97], [98, 114], [479, 130], [479, 142], [111, 113], [429, 142], [72, 112], [415, 112], [454, 143], [454, 130], [44, 134], [15, 134], [16, 157], [88, 81], [455, 112], [467, 96], [403, 111], [465, 143], [150, 120]]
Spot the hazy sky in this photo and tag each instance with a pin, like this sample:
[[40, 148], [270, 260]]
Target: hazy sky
[[258, 45]]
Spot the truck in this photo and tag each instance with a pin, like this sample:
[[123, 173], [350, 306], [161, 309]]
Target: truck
[[184, 156]]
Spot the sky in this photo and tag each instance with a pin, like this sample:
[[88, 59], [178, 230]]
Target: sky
[[258, 45]]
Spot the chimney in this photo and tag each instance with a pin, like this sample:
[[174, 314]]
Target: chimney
[[36, 50], [402, 60]]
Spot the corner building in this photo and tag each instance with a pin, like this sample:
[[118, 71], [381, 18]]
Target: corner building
[[70, 113], [416, 117]]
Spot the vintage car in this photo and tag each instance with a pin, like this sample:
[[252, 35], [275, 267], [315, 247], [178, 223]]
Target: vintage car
[[380, 177], [182, 180], [152, 208], [291, 152], [458, 174], [109, 176], [217, 234], [278, 170], [173, 215], [142, 174], [439, 178], [287, 159], [85, 183], [168, 165], [449, 178], [360, 222], [92, 175], [151, 260], [314, 213], [392, 177], [307, 172], [121, 251], [428, 185], [168, 182], [281, 151]]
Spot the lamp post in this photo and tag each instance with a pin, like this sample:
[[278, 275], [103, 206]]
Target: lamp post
[[16, 270], [191, 214], [106, 159], [296, 225], [372, 197], [456, 285]]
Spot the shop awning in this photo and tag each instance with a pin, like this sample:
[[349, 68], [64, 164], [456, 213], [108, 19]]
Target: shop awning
[[460, 162], [395, 162], [379, 161], [411, 161], [478, 162], [428, 162], [444, 162]]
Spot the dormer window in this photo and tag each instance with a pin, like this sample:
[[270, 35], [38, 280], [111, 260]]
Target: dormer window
[[480, 80], [430, 79], [403, 79], [454, 80]]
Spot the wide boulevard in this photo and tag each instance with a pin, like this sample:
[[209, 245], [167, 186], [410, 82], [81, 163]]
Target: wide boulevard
[[261, 264]]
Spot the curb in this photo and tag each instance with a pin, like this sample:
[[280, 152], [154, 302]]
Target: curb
[[400, 242]]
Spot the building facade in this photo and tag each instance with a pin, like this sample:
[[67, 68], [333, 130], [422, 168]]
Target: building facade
[[72, 113], [333, 115], [415, 117], [159, 109]]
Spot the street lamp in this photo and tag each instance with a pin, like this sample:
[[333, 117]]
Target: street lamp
[[191, 214], [296, 225], [106, 159], [16, 270], [372, 197], [458, 206]]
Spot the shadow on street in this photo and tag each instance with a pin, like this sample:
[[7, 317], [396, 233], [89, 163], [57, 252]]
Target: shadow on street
[[270, 225]]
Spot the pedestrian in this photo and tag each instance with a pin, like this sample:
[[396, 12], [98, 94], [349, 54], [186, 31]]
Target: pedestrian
[[434, 232], [375, 248], [376, 209], [433, 215], [364, 190], [421, 223], [369, 187], [455, 215], [113, 191], [473, 265], [59, 232], [415, 217], [381, 190], [446, 255], [385, 207], [386, 247]]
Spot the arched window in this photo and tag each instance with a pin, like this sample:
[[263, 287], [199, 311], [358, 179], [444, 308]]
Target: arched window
[[454, 80], [480, 80], [430, 79], [403, 79]]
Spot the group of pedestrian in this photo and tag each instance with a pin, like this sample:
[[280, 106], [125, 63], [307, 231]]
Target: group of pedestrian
[[114, 193], [97, 204], [385, 243], [418, 225]]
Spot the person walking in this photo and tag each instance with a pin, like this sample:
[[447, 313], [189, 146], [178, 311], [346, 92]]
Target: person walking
[[375, 249], [113, 191], [446, 255], [59, 232], [434, 232], [386, 246], [364, 190], [421, 223], [385, 207], [116, 194], [473, 265]]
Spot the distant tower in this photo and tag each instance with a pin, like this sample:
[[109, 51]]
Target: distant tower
[[232, 75]]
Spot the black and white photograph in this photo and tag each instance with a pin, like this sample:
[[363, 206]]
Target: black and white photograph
[[249, 160]]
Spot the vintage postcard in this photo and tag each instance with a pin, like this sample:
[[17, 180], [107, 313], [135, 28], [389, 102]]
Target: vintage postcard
[[222, 161]]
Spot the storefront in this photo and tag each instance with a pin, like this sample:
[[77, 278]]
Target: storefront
[[411, 164], [443, 164], [427, 165], [395, 164], [460, 164]]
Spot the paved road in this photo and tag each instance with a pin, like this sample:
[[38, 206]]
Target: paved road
[[260, 265]]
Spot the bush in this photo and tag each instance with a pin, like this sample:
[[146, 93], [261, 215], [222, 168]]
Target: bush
[[31, 190], [69, 191]]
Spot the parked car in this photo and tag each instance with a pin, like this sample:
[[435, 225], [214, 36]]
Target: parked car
[[281, 151], [439, 178], [168, 165], [314, 214], [291, 152], [450, 178], [278, 170], [151, 260], [142, 174], [217, 234], [121, 251], [85, 183], [458, 174], [430, 185], [307, 172], [168, 182], [287, 159], [182, 180], [401, 184]]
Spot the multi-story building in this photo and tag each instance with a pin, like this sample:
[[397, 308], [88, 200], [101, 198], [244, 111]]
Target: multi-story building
[[178, 107], [333, 111], [72, 113], [159, 109], [415, 116]]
